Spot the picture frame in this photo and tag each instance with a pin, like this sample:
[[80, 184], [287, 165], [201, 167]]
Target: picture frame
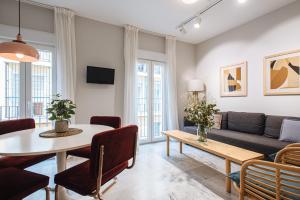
[[282, 73], [234, 80]]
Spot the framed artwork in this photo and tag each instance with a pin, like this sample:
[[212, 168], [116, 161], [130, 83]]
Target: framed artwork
[[234, 80], [282, 74]]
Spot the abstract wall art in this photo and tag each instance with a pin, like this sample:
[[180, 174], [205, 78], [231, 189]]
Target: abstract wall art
[[282, 74], [234, 80]]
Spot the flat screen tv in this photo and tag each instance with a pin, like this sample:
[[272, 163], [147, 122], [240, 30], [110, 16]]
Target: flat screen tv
[[100, 75]]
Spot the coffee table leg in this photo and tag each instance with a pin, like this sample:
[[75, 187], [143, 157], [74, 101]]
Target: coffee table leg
[[180, 147], [168, 146], [228, 171]]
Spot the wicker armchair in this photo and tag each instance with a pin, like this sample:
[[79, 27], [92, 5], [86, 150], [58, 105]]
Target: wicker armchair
[[271, 180], [267, 180]]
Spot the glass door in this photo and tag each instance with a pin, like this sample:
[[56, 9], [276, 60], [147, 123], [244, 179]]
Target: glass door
[[149, 100], [27, 88]]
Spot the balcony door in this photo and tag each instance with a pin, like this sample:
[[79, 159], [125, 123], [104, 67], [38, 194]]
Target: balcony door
[[149, 100], [27, 88]]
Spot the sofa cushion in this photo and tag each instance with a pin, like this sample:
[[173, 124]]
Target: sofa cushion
[[273, 125], [251, 142], [224, 124], [290, 131], [217, 121], [246, 122]]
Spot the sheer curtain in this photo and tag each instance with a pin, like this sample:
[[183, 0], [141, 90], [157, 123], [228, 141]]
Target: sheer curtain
[[130, 55], [171, 112], [66, 52]]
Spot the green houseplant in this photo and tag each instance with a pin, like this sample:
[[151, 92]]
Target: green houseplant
[[202, 114], [61, 111]]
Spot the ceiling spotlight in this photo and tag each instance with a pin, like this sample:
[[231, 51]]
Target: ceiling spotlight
[[189, 1], [242, 1], [182, 30], [197, 22]]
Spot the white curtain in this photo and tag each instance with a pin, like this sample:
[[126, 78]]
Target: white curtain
[[171, 112], [130, 55], [66, 52]]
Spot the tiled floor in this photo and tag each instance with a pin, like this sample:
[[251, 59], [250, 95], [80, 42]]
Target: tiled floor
[[194, 175]]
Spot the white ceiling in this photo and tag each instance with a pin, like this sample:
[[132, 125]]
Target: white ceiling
[[163, 16]]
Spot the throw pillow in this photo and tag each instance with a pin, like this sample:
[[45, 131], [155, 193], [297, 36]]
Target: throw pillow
[[218, 121], [290, 131]]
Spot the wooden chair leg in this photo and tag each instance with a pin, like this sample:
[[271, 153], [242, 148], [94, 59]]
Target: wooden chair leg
[[47, 190], [56, 192]]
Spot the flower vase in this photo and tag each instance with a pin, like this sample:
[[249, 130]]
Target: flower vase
[[202, 133]]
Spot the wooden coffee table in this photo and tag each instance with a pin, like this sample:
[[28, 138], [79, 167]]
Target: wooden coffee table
[[228, 152]]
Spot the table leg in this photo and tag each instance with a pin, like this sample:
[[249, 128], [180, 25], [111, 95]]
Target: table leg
[[180, 147], [61, 163], [228, 171], [168, 146]]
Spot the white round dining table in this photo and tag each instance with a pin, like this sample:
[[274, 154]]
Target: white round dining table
[[28, 142]]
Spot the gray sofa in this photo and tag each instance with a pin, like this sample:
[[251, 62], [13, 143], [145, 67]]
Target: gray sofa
[[253, 131]]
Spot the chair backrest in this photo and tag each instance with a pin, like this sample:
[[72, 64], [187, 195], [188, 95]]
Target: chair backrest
[[268, 180], [16, 125], [289, 156], [119, 147], [111, 121]]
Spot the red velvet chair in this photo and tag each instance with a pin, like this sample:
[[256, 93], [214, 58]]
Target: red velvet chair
[[20, 162], [114, 122], [16, 184], [111, 152]]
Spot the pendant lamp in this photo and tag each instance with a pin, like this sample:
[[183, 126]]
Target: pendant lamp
[[18, 50]]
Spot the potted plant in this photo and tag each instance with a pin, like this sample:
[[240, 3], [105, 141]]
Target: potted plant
[[202, 114], [61, 110]]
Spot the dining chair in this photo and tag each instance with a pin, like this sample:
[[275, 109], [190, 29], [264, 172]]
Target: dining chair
[[17, 184], [111, 153], [20, 162], [112, 121]]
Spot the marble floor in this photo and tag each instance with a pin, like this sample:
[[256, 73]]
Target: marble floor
[[194, 175]]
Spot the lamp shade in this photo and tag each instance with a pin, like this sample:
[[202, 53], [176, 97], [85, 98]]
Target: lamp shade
[[195, 86], [19, 51]]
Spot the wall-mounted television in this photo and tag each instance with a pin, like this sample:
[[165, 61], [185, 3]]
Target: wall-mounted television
[[100, 75]]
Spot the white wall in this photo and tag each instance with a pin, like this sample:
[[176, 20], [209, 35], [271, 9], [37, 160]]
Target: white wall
[[276, 32]]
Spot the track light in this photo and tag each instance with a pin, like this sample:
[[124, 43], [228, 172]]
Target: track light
[[182, 30], [197, 22]]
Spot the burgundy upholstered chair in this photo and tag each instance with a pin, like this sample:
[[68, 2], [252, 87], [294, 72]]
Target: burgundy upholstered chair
[[20, 162], [16, 184], [111, 152], [114, 122]]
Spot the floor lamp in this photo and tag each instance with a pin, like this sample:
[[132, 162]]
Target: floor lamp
[[196, 86]]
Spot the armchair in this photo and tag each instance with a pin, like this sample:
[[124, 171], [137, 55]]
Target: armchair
[[271, 180], [111, 152], [20, 162], [112, 121]]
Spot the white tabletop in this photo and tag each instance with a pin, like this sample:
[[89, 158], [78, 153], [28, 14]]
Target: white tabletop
[[28, 142]]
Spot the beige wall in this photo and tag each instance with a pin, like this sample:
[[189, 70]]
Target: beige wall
[[32, 17], [151, 42], [276, 32], [98, 44], [185, 58]]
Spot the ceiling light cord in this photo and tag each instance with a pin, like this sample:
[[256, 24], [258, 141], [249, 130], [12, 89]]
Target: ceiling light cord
[[19, 17]]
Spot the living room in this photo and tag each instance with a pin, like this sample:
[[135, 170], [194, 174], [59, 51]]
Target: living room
[[216, 82]]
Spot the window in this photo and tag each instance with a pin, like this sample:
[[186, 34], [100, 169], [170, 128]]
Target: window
[[27, 88], [149, 100]]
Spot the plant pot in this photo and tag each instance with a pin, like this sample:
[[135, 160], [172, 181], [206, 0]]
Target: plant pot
[[202, 133], [61, 126]]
